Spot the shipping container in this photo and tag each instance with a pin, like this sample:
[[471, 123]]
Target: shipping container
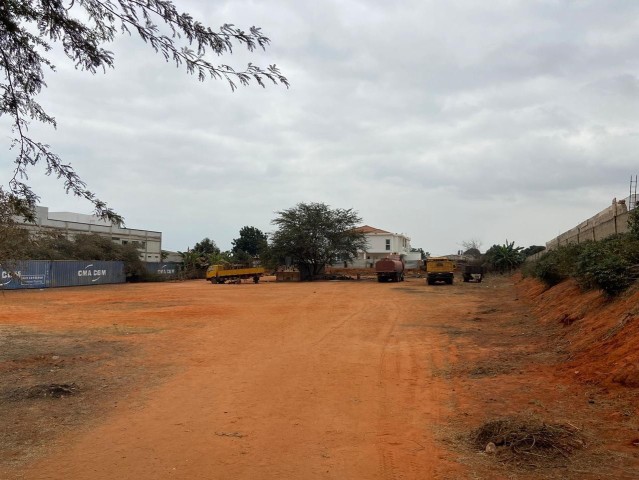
[[168, 270], [25, 274], [68, 273]]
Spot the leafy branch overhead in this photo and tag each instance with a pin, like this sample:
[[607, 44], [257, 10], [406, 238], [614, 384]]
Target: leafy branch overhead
[[29, 28]]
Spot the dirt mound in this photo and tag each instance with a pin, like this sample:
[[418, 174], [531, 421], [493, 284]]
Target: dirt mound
[[601, 335]]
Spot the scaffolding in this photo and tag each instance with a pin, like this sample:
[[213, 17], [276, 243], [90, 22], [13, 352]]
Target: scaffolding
[[632, 199]]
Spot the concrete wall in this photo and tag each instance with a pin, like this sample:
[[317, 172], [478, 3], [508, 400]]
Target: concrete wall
[[609, 221]]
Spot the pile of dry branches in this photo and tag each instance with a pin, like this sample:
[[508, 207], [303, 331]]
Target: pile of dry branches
[[527, 440]]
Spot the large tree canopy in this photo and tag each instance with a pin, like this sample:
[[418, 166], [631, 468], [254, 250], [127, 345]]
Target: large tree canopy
[[29, 28], [314, 235], [251, 240], [206, 246], [506, 257]]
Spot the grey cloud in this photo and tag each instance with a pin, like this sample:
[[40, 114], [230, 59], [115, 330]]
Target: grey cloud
[[414, 113]]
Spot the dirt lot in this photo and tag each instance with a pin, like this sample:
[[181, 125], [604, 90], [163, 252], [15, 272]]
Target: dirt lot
[[343, 380]]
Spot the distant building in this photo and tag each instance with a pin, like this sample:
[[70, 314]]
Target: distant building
[[175, 257], [148, 243], [381, 244]]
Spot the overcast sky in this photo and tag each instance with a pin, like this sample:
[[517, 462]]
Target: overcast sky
[[446, 121]]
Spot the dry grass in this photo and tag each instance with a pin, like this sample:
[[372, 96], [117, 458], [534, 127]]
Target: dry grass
[[529, 442]]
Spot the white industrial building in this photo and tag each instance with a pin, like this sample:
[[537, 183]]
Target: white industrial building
[[381, 244], [148, 243]]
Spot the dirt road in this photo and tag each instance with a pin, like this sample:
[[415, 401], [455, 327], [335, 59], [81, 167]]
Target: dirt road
[[343, 380]]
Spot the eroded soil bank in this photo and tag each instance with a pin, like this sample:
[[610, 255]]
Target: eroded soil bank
[[313, 380]]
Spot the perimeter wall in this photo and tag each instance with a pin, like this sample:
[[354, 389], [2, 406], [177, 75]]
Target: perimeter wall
[[609, 221]]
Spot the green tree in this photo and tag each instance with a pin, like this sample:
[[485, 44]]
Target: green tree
[[314, 235], [633, 223], [251, 240], [196, 260], [206, 247], [14, 238], [91, 246], [532, 250], [29, 28], [241, 257], [473, 252], [505, 258]]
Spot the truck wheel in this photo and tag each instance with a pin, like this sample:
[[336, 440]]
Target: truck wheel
[[256, 279]]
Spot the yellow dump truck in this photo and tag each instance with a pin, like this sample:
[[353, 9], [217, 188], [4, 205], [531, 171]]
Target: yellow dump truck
[[233, 273], [439, 269]]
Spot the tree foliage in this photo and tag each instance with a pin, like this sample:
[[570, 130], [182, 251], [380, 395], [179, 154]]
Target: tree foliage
[[29, 29], [633, 223], [56, 246], [251, 240], [532, 250], [196, 260], [610, 265], [206, 246], [14, 238], [473, 252], [505, 258], [314, 235]]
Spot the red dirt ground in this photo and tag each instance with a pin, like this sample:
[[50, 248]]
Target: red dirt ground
[[343, 380]]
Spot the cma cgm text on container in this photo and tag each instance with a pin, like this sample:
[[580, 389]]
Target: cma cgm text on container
[[59, 273]]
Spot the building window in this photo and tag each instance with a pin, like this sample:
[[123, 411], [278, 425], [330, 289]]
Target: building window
[[388, 244]]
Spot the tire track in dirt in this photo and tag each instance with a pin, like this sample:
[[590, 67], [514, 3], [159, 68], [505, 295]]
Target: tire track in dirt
[[410, 406], [327, 380]]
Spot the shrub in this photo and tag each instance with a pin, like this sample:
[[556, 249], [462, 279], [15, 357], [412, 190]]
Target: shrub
[[548, 270], [602, 265], [556, 265]]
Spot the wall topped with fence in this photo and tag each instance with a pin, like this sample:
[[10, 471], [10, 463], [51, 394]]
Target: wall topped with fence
[[610, 221]]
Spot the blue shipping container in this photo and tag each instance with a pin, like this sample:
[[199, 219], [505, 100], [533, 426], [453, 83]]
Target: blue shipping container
[[165, 270], [67, 273], [25, 274]]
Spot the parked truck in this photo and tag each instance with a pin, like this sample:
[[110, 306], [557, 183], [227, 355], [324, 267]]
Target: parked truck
[[388, 269], [233, 273], [439, 269], [473, 273]]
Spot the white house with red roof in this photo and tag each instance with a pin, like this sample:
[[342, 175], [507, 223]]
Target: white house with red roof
[[381, 244]]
